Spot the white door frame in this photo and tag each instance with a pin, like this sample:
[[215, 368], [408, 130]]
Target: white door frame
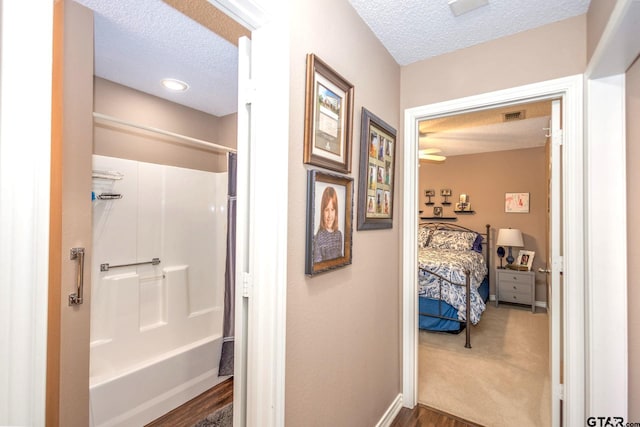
[[570, 89], [261, 251], [606, 260]]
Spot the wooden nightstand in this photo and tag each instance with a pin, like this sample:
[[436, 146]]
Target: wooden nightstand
[[518, 287]]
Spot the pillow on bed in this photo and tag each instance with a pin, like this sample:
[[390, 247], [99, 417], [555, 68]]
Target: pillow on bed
[[452, 239], [477, 244], [423, 237]]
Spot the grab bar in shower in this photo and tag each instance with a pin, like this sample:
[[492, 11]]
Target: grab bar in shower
[[106, 266]]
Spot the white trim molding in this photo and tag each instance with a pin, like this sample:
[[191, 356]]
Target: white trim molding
[[391, 412], [266, 236], [607, 249], [606, 388], [570, 90]]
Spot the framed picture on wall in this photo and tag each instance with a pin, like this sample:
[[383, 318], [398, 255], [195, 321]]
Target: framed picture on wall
[[516, 202], [328, 117], [329, 221], [375, 191]]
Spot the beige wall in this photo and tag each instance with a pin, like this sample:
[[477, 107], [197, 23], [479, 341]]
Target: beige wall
[[129, 143], [552, 51], [486, 179], [597, 18], [633, 234], [343, 327]]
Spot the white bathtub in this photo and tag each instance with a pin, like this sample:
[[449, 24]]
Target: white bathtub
[[155, 328], [147, 391]]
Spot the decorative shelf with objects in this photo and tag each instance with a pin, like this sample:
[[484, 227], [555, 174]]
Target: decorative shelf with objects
[[440, 218], [429, 194], [463, 206], [445, 193]]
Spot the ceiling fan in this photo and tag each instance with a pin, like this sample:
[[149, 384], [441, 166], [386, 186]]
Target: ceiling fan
[[430, 154]]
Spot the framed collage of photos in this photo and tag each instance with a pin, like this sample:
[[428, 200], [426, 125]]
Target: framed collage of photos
[[377, 167]]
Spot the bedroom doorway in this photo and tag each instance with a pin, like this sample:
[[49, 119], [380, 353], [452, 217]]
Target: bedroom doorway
[[489, 153], [569, 90]]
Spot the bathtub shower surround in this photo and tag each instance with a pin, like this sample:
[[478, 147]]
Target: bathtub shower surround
[[156, 328]]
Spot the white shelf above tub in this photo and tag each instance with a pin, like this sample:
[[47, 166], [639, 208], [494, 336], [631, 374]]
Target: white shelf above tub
[[111, 175]]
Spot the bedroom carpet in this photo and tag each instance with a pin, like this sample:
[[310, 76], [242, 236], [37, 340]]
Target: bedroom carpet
[[502, 381]]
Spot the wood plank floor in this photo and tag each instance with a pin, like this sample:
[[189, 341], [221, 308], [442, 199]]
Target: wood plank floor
[[221, 395], [423, 416], [198, 408]]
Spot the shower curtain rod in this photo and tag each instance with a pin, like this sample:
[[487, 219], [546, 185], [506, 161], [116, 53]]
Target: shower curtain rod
[[200, 142]]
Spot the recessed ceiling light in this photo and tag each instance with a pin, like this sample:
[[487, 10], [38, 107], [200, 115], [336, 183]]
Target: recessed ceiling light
[[175, 85], [458, 7]]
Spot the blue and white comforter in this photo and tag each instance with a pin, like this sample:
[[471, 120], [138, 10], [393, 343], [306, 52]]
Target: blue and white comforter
[[451, 265]]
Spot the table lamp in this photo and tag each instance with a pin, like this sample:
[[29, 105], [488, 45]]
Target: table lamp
[[509, 237]]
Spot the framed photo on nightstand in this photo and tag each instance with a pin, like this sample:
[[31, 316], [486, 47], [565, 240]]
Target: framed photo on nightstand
[[525, 259]]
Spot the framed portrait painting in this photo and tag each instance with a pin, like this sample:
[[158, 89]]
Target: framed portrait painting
[[377, 167], [329, 221], [328, 117]]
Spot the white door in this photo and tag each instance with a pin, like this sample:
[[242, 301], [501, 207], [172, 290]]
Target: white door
[[242, 234], [554, 262]]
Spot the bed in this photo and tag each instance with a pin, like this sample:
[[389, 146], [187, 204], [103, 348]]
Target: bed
[[453, 279]]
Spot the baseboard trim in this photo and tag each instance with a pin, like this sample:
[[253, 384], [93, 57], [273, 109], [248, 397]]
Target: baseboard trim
[[542, 304], [391, 413]]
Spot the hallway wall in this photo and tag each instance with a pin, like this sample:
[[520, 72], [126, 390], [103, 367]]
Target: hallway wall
[[343, 327], [548, 52]]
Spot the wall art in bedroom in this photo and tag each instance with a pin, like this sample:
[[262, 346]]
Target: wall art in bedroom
[[329, 221], [377, 170], [516, 202]]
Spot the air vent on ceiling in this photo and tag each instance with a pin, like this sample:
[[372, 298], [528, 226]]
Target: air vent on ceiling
[[513, 115]]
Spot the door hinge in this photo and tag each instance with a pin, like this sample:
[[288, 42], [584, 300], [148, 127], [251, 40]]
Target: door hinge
[[558, 264], [558, 138], [247, 285], [559, 394], [249, 95]]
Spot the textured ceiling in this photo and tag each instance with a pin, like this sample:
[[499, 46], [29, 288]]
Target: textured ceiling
[[140, 42], [485, 131], [413, 30]]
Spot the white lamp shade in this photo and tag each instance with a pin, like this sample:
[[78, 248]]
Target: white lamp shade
[[509, 237]]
